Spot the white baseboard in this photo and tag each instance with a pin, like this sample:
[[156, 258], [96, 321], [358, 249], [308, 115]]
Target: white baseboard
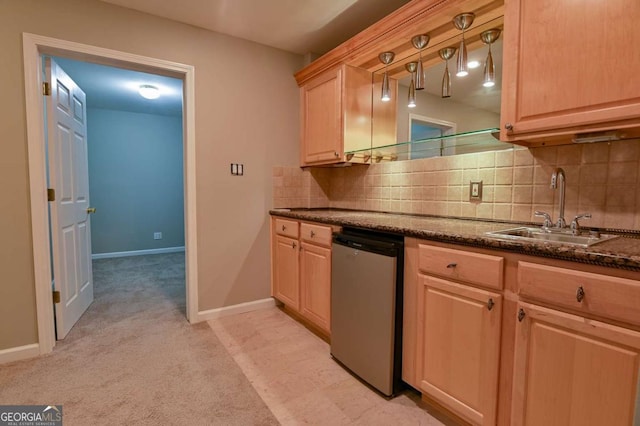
[[19, 352], [137, 252], [235, 309]]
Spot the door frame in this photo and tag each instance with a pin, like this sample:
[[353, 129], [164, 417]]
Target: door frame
[[33, 47]]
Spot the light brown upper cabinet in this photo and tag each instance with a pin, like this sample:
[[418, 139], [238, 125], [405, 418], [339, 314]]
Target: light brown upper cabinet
[[569, 68], [336, 115]]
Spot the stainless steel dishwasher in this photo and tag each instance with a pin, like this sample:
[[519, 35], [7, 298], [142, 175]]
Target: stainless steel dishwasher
[[366, 306]]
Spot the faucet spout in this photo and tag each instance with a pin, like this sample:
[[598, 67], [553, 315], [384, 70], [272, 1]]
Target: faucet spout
[[558, 175]]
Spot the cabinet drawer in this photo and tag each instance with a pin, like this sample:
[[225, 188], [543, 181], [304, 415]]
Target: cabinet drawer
[[481, 269], [287, 228], [601, 295], [316, 234]]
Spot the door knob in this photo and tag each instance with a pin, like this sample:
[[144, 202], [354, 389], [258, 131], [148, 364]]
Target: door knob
[[91, 210]]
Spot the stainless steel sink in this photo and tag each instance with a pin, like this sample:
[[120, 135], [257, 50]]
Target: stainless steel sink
[[559, 236]]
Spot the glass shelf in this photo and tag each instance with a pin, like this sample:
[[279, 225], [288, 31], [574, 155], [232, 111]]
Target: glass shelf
[[460, 143]]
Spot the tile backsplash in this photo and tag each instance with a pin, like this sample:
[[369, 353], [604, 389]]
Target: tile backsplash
[[601, 179]]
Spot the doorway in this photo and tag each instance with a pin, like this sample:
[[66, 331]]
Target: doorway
[[425, 133], [134, 165], [34, 47]]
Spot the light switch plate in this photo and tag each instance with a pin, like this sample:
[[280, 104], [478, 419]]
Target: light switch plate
[[475, 190], [237, 169]]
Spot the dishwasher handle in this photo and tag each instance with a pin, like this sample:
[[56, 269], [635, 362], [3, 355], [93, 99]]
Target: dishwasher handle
[[385, 248]]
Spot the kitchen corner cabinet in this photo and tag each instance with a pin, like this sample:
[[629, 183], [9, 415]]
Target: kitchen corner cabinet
[[458, 331], [570, 369], [565, 69], [301, 269], [336, 115]]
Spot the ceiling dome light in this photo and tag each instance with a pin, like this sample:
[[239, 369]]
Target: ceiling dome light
[[148, 91]]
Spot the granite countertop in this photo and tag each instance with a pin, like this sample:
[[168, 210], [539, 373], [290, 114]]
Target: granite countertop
[[623, 252]]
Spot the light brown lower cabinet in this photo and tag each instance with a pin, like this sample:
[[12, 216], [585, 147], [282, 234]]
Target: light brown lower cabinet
[[458, 347], [315, 284], [285, 260], [301, 269], [573, 371]]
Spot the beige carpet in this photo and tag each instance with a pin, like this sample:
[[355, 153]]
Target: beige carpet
[[133, 358]]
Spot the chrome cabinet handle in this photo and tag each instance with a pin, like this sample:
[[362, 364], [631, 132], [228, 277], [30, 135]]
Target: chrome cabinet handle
[[520, 314], [452, 265], [580, 294], [490, 304]]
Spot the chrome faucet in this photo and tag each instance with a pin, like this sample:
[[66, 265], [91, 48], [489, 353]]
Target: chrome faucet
[[558, 174], [575, 225]]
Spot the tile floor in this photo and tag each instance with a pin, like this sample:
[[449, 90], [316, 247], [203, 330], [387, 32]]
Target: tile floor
[[292, 371]]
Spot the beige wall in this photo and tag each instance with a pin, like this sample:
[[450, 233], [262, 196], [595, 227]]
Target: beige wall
[[602, 179], [246, 112]]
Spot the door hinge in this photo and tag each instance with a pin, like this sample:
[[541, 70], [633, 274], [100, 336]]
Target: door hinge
[[46, 88], [51, 194], [56, 296]]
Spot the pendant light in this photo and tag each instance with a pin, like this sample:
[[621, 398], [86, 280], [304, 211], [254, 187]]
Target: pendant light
[[488, 37], [446, 54], [412, 67], [420, 42], [462, 22], [386, 58]]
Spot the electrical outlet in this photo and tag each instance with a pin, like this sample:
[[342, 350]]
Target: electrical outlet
[[475, 190], [157, 235]]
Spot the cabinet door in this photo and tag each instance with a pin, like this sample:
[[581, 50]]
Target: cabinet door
[[321, 103], [458, 347], [285, 271], [572, 371], [568, 65], [315, 284]]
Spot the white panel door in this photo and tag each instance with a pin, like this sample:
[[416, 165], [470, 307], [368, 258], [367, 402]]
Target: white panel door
[[69, 176]]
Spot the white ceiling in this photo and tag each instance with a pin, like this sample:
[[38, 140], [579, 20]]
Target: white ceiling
[[298, 26]]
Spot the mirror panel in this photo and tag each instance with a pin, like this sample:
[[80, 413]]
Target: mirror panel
[[436, 126]]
